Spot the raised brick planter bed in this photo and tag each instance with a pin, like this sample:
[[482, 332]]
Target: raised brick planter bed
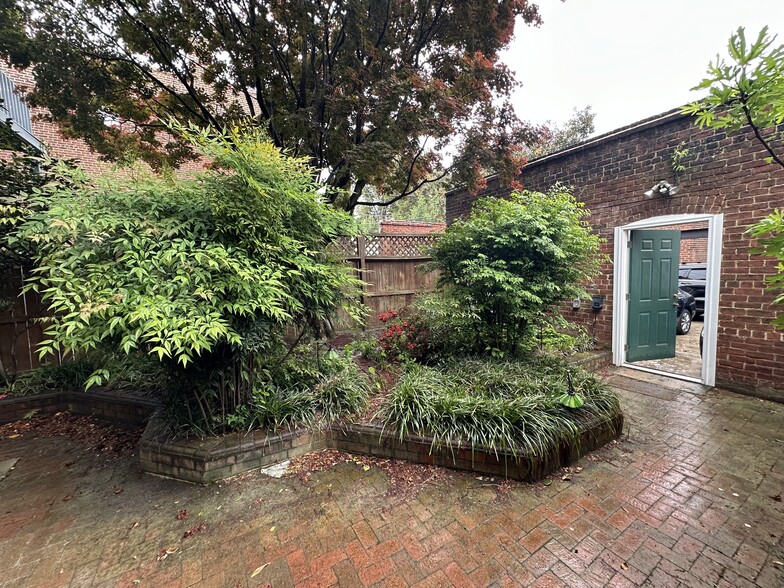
[[107, 406], [373, 440], [208, 460]]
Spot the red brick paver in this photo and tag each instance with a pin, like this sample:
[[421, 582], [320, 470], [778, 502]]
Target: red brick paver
[[687, 497]]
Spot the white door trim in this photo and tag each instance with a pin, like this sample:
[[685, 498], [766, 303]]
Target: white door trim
[[622, 236]]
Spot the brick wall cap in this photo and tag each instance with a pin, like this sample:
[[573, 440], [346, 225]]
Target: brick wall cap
[[636, 127]]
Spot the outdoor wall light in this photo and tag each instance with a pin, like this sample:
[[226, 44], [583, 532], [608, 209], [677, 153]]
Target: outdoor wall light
[[576, 304], [662, 189], [597, 301]]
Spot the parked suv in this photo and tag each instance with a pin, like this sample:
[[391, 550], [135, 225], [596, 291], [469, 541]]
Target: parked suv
[[691, 278], [685, 310]]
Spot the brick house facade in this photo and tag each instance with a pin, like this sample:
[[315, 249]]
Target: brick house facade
[[724, 173], [56, 144]]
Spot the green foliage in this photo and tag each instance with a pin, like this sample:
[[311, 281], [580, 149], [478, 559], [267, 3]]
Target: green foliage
[[204, 275], [23, 178], [558, 137], [512, 262], [746, 90], [679, 156], [69, 375], [137, 372], [749, 90], [303, 388], [274, 409], [188, 269], [370, 92], [343, 390], [503, 406], [770, 233], [367, 347]]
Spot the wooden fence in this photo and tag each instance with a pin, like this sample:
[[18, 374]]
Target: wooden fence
[[20, 331], [389, 265]]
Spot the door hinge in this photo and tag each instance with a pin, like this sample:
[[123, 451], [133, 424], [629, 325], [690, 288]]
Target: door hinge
[[629, 243], [628, 296], [626, 347]]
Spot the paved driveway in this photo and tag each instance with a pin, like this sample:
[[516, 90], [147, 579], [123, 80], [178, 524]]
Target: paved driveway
[[690, 496]]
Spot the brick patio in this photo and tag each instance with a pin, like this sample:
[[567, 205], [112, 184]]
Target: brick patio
[[686, 497]]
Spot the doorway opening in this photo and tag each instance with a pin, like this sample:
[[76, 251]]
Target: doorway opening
[[666, 279]]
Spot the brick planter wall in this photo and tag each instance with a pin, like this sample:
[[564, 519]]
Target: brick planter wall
[[105, 406], [724, 173], [203, 461], [373, 440], [207, 460]]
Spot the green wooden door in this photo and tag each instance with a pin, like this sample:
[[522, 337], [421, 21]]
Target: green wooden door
[[653, 284]]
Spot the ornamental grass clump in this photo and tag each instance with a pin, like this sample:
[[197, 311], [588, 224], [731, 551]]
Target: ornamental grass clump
[[339, 388], [505, 407]]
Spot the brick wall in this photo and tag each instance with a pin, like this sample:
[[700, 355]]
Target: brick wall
[[694, 250], [410, 227], [694, 241], [57, 145], [725, 173]]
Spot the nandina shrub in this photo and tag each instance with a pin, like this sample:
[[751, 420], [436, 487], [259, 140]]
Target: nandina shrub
[[510, 264], [204, 274]]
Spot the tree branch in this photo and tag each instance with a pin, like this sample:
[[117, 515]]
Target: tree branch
[[768, 148]]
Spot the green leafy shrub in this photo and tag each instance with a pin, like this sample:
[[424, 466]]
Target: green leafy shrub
[[501, 405], [512, 262], [770, 233], [204, 274], [136, 372]]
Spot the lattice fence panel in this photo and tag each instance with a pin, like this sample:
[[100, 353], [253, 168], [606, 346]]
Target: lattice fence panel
[[398, 245], [344, 247]]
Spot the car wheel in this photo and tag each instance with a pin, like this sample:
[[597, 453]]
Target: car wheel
[[684, 323]]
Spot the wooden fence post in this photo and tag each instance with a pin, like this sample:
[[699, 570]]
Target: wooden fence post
[[362, 254]]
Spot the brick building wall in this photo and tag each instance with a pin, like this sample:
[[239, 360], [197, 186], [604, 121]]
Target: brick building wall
[[49, 132], [694, 242], [404, 227], [725, 173], [60, 147], [694, 250]]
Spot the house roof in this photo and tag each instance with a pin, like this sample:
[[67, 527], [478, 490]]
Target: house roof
[[13, 109], [631, 129]]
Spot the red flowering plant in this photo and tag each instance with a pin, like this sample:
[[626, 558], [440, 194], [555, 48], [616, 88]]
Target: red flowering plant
[[406, 336]]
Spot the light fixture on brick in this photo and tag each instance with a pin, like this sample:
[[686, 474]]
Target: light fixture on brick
[[662, 188]]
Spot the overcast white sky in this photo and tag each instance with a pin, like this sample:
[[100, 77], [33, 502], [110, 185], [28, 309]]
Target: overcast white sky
[[628, 59]]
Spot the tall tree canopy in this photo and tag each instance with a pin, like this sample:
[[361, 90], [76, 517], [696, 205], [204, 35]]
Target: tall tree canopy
[[370, 91], [554, 137]]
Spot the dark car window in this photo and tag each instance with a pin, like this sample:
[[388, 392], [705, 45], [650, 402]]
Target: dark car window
[[698, 274], [683, 273]]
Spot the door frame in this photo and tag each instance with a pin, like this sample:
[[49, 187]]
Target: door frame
[[621, 259]]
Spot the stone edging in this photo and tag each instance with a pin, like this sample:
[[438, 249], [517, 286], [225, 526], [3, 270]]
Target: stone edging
[[373, 440], [207, 460]]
